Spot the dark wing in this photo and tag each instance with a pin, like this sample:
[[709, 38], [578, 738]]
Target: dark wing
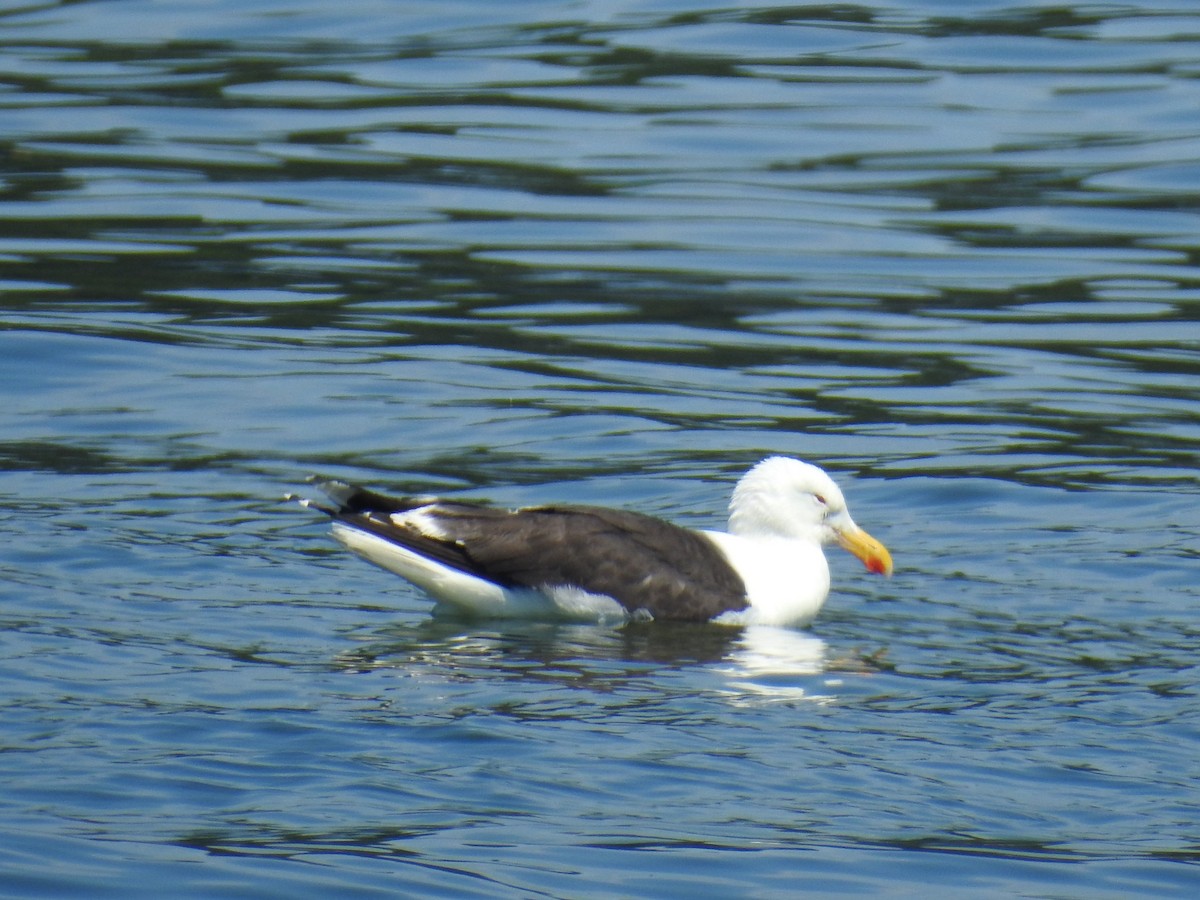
[[640, 561]]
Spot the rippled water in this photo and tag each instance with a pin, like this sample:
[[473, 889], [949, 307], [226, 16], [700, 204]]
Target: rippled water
[[608, 252]]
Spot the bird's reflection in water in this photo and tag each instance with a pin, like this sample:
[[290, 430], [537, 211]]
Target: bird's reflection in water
[[778, 664], [752, 665]]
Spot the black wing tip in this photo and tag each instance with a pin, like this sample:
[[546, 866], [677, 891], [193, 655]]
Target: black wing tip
[[340, 492], [348, 498]]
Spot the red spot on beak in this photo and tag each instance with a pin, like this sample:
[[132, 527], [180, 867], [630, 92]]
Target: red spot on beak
[[873, 554]]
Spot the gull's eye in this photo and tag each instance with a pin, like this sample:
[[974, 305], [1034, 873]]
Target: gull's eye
[[820, 499]]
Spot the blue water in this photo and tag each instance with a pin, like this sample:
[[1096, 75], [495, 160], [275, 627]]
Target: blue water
[[610, 253]]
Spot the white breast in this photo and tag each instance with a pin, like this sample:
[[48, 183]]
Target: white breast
[[787, 580]]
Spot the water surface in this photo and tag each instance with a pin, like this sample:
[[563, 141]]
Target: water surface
[[603, 252]]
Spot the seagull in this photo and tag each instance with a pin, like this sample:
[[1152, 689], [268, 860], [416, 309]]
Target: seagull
[[592, 563]]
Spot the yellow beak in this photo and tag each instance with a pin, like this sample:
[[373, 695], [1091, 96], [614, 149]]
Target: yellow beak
[[873, 554]]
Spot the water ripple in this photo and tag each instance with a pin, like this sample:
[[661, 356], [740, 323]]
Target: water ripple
[[613, 254]]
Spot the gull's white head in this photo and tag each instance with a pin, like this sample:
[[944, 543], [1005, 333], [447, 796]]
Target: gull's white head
[[786, 498]]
